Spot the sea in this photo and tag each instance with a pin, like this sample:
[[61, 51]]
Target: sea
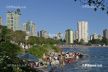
[[94, 60]]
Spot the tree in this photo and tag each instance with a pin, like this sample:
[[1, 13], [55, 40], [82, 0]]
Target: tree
[[95, 41], [18, 36], [41, 40], [32, 40], [9, 62], [81, 41], [97, 4], [8, 52], [4, 35], [76, 41], [38, 51], [105, 41], [89, 43]]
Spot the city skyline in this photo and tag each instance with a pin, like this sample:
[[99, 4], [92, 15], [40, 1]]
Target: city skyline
[[60, 14]]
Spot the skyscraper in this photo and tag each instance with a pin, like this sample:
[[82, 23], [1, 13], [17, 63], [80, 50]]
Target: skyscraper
[[83, 31], [0, 20], [75, 35], [38, 34], [29, 28], [69, 36], [105, 33], [12, 19], [44, 33]]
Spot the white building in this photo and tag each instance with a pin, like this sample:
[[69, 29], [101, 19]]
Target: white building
[[12, 19], [59, 36], [83, 31], [44, 33], [29, 28], [96, 36]]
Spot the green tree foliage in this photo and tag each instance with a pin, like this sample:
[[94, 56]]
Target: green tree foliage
[[97, 4], [4, 33], [41, 40], [104, 41], [18, 36], [8, 51], [10, 48], [95, 41], [36, 40], [8, 57], [76, 41], [98, 41], [56, 49], [81, 41], [39, 50], [32, 40]]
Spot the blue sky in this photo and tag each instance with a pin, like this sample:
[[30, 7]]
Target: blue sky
[[56, 15]]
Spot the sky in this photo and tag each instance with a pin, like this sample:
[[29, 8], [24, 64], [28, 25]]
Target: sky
[[56, 15]]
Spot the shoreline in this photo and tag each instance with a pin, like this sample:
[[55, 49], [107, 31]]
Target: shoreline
[[83, 46]]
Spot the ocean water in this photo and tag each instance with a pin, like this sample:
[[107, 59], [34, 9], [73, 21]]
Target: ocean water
[[94, 60]]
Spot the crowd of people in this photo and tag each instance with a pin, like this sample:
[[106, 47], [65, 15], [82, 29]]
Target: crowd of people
[[53, 60], [60, 58]]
